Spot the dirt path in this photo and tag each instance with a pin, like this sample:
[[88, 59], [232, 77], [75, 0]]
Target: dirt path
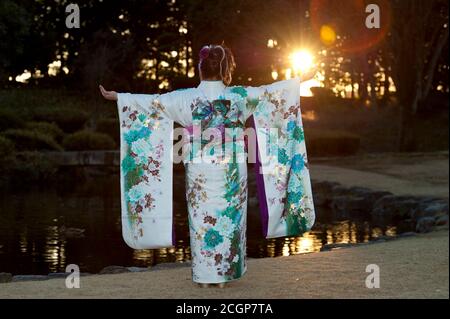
[[402, 174]]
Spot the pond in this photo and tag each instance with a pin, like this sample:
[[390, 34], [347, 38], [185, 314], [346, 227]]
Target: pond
[[42, 230]]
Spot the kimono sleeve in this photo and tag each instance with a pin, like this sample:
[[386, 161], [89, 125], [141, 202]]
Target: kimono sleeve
[[145, 172], [174, 105], [283, 180]]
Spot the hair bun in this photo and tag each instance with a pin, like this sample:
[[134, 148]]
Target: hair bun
[[204, 53], [216, 62]]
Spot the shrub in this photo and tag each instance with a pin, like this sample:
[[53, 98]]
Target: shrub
[[27, 140], [50, 129], [322, 93], [9, 119], [6, 147], [30, 167], [331, 143], [109, 127], [69, 119], [87, 140]]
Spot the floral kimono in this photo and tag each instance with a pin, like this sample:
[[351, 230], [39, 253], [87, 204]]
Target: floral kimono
[[215, 158]]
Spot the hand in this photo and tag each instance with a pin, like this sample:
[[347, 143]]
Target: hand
[[109, 95], [311, 72], [308, 75]]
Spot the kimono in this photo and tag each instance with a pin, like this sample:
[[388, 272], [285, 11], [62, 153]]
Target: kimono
[[215, 157]]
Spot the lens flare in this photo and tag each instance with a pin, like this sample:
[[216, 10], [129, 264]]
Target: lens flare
[[342, 24], [301, 61], [327, 35]]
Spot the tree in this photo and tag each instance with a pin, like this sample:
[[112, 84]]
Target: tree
[[415, 45]]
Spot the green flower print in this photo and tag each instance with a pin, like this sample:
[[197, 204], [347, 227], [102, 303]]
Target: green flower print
[[134, 135], [283, 158], [291, 125], [295, 183], [239, 90], [298, 163], [294, 197], [142, 117], [213, 238], [128, 163], [298, 134]]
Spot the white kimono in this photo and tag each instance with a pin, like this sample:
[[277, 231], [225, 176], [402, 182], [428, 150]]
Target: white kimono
[[216, 172]]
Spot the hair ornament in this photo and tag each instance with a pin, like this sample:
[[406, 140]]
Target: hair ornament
[[204, 52]]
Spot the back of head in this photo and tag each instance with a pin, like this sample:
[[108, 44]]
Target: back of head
[[216, 63]]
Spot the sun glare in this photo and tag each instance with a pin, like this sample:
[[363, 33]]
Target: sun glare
[[301, 60]]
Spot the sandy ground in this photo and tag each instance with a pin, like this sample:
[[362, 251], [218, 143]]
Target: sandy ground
[[402, 174], [412, 267]]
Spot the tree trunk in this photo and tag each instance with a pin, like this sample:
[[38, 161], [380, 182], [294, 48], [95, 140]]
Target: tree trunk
[[386, 86], [407, 137], [352, 78]]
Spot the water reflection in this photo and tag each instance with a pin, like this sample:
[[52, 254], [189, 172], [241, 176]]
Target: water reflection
[[145, 255], [148, 257], [308, 243], [54, 254], [43, 231], [342, 232]]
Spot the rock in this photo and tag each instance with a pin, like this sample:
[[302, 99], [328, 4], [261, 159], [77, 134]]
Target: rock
[[371, 195], [425, 225], [406, 225], [441, 220], [436, 203], [113, 270], [55, 275], [320, 199], [324, 186], [407, 234], [29, 278], [391, 207], [385, 201], [350, 206], [357, 190], [405, 208], [5, 277], [328, 247], [339, 190], [323, 192], [431, 209], [428, 199], [383, 238], [170, 265], [137, 269], [338, 205], [380, 213]]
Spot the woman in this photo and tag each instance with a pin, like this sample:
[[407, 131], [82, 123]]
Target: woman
[[214, 116]]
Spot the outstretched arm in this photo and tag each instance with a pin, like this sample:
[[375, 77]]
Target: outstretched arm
[[109, 95], [140, 101], [308, 75], [175, 105], [254, 94]]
